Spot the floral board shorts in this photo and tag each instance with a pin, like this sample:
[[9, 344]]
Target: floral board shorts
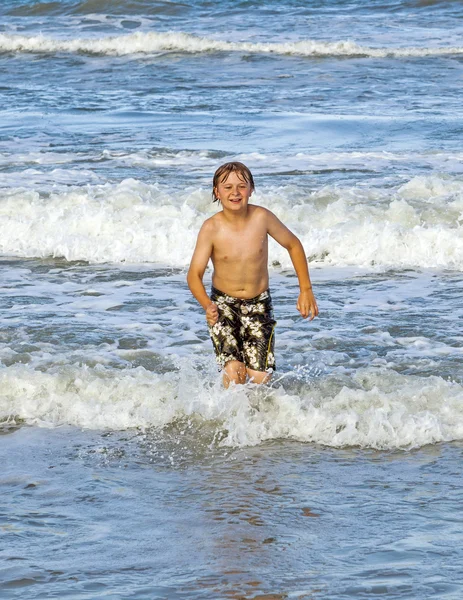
[[244, 331]]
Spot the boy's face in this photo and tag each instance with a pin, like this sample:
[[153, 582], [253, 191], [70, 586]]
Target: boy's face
[[234, 192]]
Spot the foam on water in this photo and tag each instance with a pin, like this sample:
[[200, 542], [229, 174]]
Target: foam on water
[[180, 42], [415, 224], [205, 161], [348, 113], [53, 178], [377, 408], [82, 165]]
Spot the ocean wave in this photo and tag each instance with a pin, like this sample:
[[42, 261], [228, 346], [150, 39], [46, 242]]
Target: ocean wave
[[95, 8], [180, 42], [379, 409], [206, 161], [415, 225]]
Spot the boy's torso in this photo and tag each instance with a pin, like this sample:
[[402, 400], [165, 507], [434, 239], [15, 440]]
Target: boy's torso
[[240, 254]]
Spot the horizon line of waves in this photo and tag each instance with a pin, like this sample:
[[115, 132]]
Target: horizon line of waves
[[181, 42], [378, 408], [415, 225], [204, 162]]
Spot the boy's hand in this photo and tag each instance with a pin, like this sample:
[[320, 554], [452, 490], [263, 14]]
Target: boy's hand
[[307, 305], [212, 314]]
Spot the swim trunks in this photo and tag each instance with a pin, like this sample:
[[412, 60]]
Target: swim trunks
[[244, 331]]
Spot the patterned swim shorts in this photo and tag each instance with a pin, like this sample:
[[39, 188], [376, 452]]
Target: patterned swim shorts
[[244, 331]]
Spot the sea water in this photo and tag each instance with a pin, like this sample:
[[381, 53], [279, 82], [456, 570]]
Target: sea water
[[127, 470]]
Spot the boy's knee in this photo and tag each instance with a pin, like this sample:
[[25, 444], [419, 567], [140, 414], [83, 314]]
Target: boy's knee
[[235, 371], [259, 376]]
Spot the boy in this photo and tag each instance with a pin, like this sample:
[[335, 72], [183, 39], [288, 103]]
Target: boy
[[239, 310]]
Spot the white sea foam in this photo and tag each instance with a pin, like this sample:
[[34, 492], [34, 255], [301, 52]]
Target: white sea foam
[[381, 409], [415, 225], [131, 222], [205, 161], [44, 179], [152, 43]]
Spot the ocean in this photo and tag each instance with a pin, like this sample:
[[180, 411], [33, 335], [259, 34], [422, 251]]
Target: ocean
[[128, 472]]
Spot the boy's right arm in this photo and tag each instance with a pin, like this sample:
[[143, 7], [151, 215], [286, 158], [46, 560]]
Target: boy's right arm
[[201, 256]]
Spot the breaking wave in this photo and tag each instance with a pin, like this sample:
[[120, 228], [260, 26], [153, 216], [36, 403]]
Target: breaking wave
[[415, 225], [378, 409], [180, 42]]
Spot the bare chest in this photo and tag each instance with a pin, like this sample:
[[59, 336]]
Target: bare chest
[[249, 245]]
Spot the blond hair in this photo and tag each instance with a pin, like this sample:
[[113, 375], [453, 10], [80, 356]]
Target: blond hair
[[224, 171]]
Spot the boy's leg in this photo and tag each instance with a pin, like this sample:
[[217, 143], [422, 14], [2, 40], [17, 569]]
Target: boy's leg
[[225, 339], [258, 327], [258, 376], [234, 371]]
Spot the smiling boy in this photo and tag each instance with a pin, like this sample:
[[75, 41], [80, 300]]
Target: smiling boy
[[239, 310]]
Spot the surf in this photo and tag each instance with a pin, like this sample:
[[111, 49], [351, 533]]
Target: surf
[[376, 408], [415, 224], [145, 43]]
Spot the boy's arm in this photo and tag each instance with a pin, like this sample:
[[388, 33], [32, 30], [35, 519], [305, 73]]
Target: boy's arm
[[306, 303], [199, 260]]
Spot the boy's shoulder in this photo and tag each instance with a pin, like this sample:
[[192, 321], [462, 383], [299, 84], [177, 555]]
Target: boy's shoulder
[[211, 222], [261, 214], [259, 211]]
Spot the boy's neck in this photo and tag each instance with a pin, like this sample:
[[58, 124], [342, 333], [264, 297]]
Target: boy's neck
[[235, 216]]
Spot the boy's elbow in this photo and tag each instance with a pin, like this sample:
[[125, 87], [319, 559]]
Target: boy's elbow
[[294, 244], [189, 277]]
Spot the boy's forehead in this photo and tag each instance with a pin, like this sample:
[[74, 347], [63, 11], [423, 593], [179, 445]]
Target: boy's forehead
[[233, 175]]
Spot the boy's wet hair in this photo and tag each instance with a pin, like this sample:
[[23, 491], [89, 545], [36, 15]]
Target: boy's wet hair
[[224, 171]]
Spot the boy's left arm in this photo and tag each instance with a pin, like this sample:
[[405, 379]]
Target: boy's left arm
[[306, 304]]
